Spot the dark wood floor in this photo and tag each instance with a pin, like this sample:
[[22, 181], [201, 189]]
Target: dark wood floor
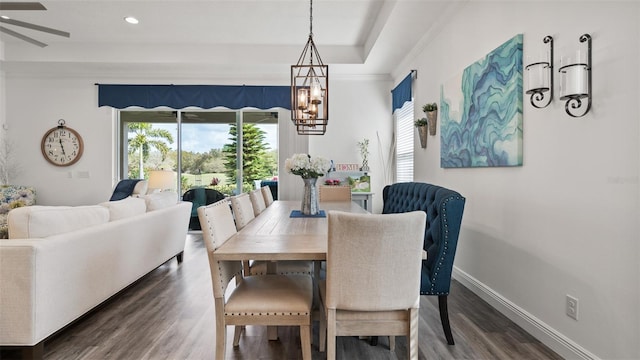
[[169, 315]]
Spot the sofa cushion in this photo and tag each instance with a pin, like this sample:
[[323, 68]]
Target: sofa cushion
[[160, 200], [42, 221], [140, 188], [125, 208]]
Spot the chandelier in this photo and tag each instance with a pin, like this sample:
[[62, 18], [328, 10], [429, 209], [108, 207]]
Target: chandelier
[[310, 89]]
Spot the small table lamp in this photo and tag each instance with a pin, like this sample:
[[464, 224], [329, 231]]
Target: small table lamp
[[162, 180]]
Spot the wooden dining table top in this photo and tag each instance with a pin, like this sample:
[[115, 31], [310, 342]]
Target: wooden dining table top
[[274, 235]]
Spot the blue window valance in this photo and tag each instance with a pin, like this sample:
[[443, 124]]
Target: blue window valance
[[402, 93], [202, 96]]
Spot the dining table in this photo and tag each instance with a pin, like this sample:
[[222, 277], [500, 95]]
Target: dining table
[[275, 235]]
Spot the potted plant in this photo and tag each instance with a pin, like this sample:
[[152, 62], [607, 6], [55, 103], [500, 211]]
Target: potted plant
[[421, 125], [431, 109], [364, 152]]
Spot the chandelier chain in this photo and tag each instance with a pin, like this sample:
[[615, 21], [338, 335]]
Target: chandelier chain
[[311, 31], [311, 18]]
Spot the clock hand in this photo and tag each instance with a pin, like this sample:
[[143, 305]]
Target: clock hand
[[62, 147]]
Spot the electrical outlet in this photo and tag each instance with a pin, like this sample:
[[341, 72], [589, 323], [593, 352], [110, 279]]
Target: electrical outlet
[[572, 307]]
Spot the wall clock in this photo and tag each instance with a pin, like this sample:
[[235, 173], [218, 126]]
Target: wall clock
[[61, 145]]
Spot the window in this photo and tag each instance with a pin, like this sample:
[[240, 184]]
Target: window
[[201, 146], [404, 142]]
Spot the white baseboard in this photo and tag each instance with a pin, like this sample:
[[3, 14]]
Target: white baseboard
[[559, 343]]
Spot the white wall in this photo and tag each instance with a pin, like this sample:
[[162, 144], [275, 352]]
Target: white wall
[[566, 222], [289, 143], [358, 109], [34, 106]]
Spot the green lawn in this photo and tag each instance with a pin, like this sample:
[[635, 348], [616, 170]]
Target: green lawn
[[205, 179]]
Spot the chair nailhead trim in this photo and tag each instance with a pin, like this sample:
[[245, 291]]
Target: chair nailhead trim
[[445, 246], [267, 314]]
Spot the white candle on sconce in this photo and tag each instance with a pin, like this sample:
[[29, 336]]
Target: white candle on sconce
[[579, 80], [537, 78], [575, 76], [537, 71], [575, 80]]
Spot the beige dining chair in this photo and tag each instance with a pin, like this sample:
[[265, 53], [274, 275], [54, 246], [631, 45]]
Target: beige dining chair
[[255, 300], [257, 201], [243, 213], [268, 196], [334, 193], [372, 286], [242, 209]]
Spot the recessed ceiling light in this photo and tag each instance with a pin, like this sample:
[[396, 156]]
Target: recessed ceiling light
[[5, 17], [131, 20]]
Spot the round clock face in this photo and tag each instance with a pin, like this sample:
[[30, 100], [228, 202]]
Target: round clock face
[[62, 146]]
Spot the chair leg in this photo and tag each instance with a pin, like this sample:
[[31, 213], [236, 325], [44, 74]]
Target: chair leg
[[444, 318], [392, 343], [246, 267], [305, 341], [412, 336], [221, 333], [221, 339], [331, 334], [323, 330], [236, 335]]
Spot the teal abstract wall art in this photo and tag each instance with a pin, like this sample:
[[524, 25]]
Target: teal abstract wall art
[[481, 111]]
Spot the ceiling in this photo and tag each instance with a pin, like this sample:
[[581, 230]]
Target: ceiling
[[219, 38]]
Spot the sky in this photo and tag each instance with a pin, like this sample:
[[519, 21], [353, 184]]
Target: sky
[[201, 138]]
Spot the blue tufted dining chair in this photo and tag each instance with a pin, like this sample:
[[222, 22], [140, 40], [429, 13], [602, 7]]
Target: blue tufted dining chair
[[444, 208]]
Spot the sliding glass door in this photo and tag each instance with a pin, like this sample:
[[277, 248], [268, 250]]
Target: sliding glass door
[[205, 148]]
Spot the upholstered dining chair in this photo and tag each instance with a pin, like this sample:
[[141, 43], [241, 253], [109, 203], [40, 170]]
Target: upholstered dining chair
[[373, 277], [334, 193], [444, 208], [257, 201], [268, 196], [242, 209], [255, 300]]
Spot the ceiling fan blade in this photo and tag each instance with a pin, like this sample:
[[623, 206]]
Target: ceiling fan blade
[[21, 6], [22, 37], [35, 27]]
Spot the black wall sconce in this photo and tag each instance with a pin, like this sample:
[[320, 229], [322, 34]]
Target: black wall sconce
[[575, 82], [540, 75]]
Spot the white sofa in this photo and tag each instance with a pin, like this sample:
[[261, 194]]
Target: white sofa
[[60, 262]]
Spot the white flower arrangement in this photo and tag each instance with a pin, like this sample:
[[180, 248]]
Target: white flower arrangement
[[306, 166]]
